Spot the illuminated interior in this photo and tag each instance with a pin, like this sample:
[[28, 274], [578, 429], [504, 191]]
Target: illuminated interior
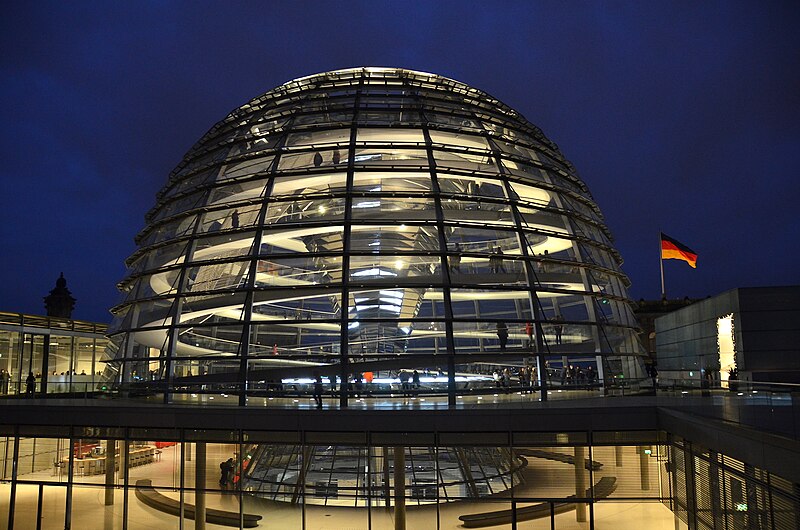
[[371, 219], [726, 346]]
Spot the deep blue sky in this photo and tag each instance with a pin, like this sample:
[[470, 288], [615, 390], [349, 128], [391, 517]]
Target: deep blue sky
[[683, 117]]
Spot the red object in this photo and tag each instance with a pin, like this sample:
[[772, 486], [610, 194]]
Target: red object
[[161, 445]]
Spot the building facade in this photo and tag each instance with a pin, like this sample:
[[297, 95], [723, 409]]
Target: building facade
[[413, 257], [63, 355], [752, 330]]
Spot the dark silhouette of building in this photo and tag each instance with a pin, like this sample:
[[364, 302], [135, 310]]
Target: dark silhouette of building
[[60, 303]]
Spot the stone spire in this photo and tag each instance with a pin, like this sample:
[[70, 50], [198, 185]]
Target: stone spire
[[59, 303]]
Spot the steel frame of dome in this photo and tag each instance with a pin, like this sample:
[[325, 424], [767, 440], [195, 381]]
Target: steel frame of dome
[[439, 215], [361, 476]]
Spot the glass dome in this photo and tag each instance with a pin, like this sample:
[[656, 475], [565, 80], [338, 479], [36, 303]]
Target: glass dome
[[363, 224]]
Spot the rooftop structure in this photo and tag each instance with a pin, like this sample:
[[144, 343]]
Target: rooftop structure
[[434, 258], [366, 223]]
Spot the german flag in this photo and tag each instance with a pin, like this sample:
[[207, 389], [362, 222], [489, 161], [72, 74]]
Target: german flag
[[674, 249]]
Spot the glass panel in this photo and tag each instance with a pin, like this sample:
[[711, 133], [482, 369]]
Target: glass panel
[[223, 246], [613, 515], [285, 304], [304, 211], [394, 238], [633, 469], [10, 368], [477, 212], [89, 508], [301, 271], [229, 218], [390, 136], [246, 168], [459, 139], [254, 144], [238, 191], [382, 303], [533, 515], [60, 363], [171, 230], [308, 184], [311, 340], [388, 117], [152, 312], [480, 270], [163, 257], [31, 363], [316, 138], [47, 459], [371, 181], [462, 160], [332, 116], [460, 122], [309, 159], [485, 241], [477, 186], [200, 341], [53, 500], [395, 270], [161, 283], [5, 492], [450, 514], [391, 157], [217, 276]]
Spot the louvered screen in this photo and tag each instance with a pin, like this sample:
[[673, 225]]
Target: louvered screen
[[704, 497], [786, 510], [679, 491]]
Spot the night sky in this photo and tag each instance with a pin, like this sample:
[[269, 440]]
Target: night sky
[[679, 116]]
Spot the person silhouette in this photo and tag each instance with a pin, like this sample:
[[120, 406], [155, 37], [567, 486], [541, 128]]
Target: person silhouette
[[502, 335]]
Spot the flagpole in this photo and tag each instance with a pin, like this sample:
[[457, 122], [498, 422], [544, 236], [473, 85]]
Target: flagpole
[[661, 263]]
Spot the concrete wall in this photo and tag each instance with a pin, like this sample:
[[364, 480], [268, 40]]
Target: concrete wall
[[766, 330]]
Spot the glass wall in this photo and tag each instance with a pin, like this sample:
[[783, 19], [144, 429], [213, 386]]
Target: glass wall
[[365, 241], [110, 478], [62, 355]]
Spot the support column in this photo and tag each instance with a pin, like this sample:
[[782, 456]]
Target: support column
[[399, 488], [644, 467], [716, 489], [580, 483], [601, 376], [387, 492], [199, 487], [111, 464], [618, 455]]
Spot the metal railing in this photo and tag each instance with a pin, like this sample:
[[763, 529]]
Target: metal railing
[[766, 406]]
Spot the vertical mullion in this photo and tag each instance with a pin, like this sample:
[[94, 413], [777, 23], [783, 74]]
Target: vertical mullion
[[70, 479], [247, 310], [14, 470], [344, 342], [175, 311], [533, 280], [182, 483], [446, 296]]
